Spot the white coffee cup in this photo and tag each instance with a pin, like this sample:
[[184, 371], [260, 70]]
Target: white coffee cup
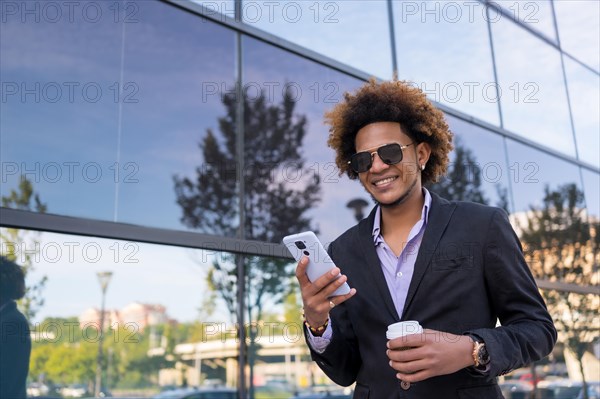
[[403, 328]]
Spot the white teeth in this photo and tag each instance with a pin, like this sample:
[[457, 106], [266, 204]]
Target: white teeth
[[385, 181]]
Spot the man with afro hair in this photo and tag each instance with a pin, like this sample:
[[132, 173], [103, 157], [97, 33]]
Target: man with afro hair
[[455, 267]]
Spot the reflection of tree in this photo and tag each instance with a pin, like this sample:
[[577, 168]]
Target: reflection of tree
[[63, 353], [18, 249], [463, 180], [564, 246], [279, 191]]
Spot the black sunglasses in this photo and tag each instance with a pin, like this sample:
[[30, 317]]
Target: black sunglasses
[[390, 153]]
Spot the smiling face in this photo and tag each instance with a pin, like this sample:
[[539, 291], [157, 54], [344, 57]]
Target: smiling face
[[391, 185]]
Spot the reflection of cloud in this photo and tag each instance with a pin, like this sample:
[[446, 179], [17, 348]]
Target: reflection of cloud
[[534, 102], [459, 71], [584, 88], [141, 272], [353, 32], [579, 29], [535, 14]]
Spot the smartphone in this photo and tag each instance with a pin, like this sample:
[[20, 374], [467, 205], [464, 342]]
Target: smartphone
[[319, 263]]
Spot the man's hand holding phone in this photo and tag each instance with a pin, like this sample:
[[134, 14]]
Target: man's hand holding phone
[[321, 284], [316, 295]]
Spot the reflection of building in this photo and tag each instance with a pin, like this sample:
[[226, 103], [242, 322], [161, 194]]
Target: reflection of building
[[91, 317], [279, 358], [143, 314], [140, 314]]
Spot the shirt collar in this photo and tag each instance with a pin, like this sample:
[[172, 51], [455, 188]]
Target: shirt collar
[[378, 238]]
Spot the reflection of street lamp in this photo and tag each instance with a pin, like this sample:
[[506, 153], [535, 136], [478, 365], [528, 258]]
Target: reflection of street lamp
[[357, 205], [103, 279]]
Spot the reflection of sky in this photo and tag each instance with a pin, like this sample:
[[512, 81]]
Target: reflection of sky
[[167, 57], [225, 7], [35, 123], [171, 56], [579, 29], [531, 170], [147, 273], [318, 90], [591, 188], [167, 69], [447, 54], [534, 102], [488, 150], [584, 94], [535, 14], [350, 31]]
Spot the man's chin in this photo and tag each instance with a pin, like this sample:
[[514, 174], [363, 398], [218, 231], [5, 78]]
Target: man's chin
[[391, 204], [398, 201]]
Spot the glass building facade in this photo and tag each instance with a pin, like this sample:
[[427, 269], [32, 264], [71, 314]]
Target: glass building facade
[[174, 143]]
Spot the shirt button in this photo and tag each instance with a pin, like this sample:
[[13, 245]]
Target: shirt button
[[399, 274], [405, 385]]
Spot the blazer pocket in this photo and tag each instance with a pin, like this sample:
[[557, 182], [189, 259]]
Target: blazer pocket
[[465, 262], [360, 392], [487, 391]]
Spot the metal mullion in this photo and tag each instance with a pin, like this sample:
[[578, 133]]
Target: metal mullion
[[240, 162], [495, 70], [121, 231], [392, 39], [536, 33], [29, 220]]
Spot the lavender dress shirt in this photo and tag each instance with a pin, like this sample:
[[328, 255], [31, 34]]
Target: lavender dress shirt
[[398, 270]]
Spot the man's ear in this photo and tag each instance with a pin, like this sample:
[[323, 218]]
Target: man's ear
[[423, 153]]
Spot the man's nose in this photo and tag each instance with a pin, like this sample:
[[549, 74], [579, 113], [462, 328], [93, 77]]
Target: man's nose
[[378, 165]]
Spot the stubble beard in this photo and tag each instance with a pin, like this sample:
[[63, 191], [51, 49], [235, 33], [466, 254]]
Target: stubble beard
[[400, 199]]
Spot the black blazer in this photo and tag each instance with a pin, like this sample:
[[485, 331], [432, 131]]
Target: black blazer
[[469, 272], [15, 349]]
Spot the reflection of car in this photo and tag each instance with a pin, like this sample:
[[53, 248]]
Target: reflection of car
[[74, 391], [515, 389], [566, 389], [325, 394], [558, 389], [199, 393], [593, 391], [37, 389]]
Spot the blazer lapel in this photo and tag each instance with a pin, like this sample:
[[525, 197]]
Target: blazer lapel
[[438, 219], [373, 271]]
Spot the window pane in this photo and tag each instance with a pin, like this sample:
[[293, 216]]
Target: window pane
[[278, 145], [113, 157], [353, 32], [161, 134], [477, 170], [278, 355], [532, 171], [533, 96], [535, 14], [58, 119], [224, 7], [591, 184], [579, 29], [444, 48], [584, 87], [163, 325]]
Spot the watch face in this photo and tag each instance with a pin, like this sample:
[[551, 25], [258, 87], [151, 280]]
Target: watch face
[[483, 355]]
